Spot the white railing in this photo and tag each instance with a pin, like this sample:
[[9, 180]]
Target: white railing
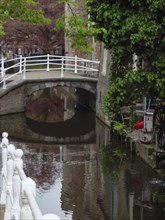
[[22, 65], [16, 186]]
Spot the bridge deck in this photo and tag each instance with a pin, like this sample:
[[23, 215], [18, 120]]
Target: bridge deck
[[43, 76], [46, 75]]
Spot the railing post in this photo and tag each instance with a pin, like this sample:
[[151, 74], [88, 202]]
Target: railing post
[[17, 183], [24, 68], [48, 62], [4, 146], [9, 189], [30, 191], [3, 72], [75, 69], [3, 67], [62, 67], [4, 84], [26, 212], [20, 64]]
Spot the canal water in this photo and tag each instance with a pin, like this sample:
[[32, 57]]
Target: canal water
[[81, 170]]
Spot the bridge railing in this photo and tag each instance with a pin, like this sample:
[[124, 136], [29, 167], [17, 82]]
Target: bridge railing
[[16, 186], [23, 65]]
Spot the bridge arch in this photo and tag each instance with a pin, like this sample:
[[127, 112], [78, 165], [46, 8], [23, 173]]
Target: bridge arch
[[84, 91], [13, 98], [86, 85]]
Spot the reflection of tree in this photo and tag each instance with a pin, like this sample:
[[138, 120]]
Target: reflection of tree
[[112, 159], [45, 105], [146, 193], [42, 168]]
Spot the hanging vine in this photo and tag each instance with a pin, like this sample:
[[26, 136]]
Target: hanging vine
[[132, 27]]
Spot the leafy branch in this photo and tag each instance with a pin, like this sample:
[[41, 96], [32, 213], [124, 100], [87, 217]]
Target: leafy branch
[[77, 29], [132, 27]]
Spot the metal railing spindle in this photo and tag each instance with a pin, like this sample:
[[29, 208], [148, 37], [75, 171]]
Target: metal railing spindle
[[47, 62]]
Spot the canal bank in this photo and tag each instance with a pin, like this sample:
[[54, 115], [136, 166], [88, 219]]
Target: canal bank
[[148, 153], [145, 151], [81, 182]]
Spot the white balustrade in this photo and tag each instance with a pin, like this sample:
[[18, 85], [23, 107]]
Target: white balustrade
[[4, 146], [17, 186], [9, 188], [22, 65]]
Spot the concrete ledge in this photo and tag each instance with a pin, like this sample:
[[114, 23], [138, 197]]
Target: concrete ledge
[[146, 152]]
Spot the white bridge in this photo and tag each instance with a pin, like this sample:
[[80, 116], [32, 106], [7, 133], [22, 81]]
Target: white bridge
[[45, 65], [17, 190]]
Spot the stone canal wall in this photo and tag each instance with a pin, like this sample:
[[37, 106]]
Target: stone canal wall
[[12, 102], [146, 152]]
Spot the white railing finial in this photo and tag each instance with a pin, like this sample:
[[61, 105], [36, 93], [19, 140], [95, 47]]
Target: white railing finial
[[4, 146], [16, 186]]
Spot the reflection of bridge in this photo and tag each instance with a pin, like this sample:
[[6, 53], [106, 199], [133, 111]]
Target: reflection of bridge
[[19, 130]]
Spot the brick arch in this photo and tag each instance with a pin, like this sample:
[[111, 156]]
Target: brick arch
[[91, 87]]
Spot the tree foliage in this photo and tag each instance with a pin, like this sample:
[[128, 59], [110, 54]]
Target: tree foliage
[[42, 35], [126, 28], [24, 10], [77, 27], [112, 159]]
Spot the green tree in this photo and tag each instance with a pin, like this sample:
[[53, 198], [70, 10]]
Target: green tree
[[77, 27], [25, 10], [43, 36], [126, 28]]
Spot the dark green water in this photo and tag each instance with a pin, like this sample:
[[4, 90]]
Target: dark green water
[[81, 173], [78, 181]]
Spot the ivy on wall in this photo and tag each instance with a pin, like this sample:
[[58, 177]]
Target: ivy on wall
[[131, 27]]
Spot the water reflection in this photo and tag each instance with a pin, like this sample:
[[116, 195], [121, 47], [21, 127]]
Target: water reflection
[[80, 129], [57, 115], [73, 179], [48, 168], [80, 171], [81, 123], [51, 104]]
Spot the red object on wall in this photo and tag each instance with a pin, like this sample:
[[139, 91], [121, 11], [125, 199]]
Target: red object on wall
[[139, 125]]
